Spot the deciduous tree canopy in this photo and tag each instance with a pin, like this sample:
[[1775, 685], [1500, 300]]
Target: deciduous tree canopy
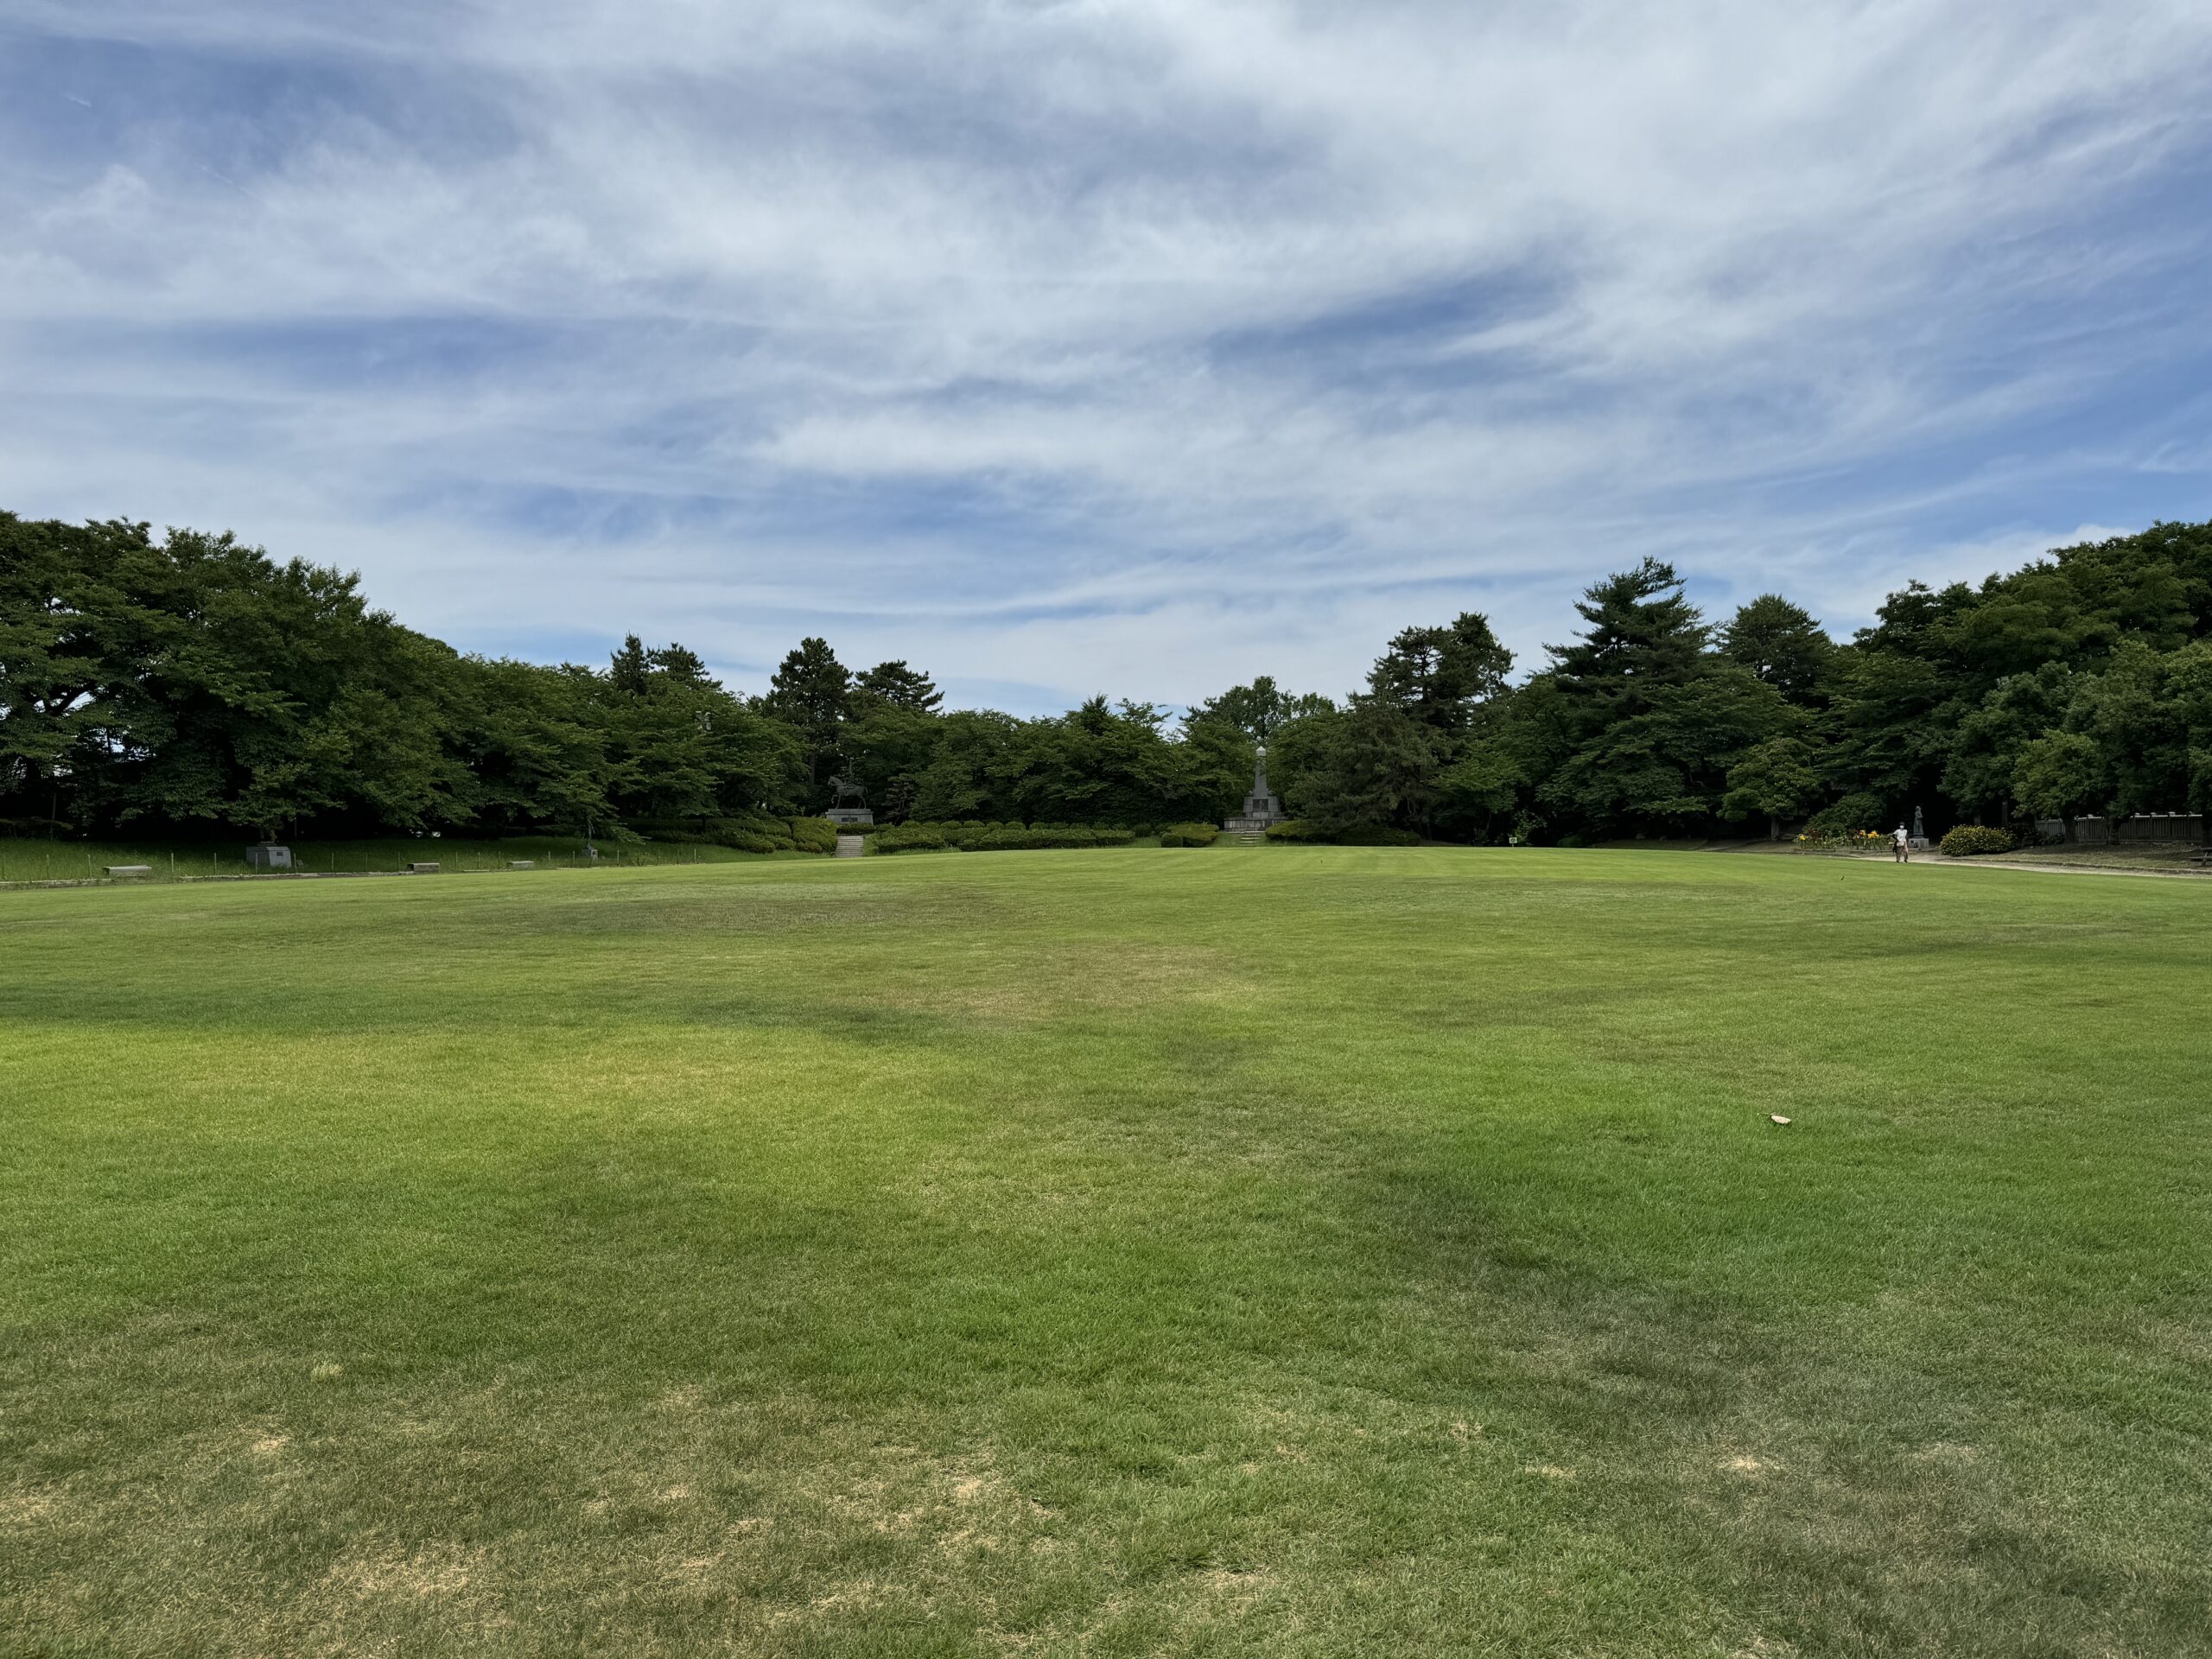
[[195, 680]]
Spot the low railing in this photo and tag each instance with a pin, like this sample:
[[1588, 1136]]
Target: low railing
[[2148, 826]]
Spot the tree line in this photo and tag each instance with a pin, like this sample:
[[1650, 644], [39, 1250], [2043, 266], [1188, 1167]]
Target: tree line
[[194, 680]]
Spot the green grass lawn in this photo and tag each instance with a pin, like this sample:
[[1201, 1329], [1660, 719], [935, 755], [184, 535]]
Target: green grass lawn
[[2167, 857], [33, 860], [1321, 1252]]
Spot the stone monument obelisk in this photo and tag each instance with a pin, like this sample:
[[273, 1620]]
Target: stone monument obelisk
[[1261, 807]]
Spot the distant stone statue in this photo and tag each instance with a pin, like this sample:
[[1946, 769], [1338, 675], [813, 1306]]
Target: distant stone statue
[[844, 790]]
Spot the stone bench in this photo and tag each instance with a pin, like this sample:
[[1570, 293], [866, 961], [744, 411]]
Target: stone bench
[[422, 870], [522, 863], [128, 869]]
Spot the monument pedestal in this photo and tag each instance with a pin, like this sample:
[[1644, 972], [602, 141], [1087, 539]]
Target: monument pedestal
[[849, 815], [1261, 807]]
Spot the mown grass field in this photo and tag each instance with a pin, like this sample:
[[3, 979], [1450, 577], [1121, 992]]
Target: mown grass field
[[28, 860], [1301, 1251]]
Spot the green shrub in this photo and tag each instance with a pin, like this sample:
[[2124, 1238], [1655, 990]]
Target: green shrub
[[1140, 830], [813, 835], [909, 838], [693, 835], [1376, 834], [1293, 830], [1854, 814], [1013, 837], [1972, 840], [1106, 837], [1844, 840], [750, 835], [740, 831], [1189, 834]]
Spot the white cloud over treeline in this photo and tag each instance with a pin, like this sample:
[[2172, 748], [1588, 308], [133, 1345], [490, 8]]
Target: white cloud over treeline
[[1138, 346]]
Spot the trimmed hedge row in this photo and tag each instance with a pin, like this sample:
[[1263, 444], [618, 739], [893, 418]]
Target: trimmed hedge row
[[752, 832], [980, 837], [1188, 834]]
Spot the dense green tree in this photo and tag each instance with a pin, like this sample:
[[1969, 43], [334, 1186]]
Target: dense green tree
[[1640, 633], [1782, 645], [1984, 751], [2188, 682], [678, 746], [1258, 710], [1490, 792], [2060, 775], [811, 692], [81, 612], [887, 749], [1893, 726], [537, 751], [1216, 763], [1098, 764], [196, 680], [1373, 764], [2134, 713], [1665, 768], [1774, 779], [1439, 676], [897, 686], [968, 772]]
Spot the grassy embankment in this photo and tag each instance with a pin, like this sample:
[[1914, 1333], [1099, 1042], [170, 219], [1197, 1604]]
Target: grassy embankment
[[1335, 1251]]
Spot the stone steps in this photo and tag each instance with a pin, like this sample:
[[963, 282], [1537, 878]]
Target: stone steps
[[851, 846]]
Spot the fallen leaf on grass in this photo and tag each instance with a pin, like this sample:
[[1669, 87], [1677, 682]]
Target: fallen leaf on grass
[[1775, 1117]]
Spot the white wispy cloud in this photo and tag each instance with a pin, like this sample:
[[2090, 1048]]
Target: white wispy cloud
[[1107, 344]]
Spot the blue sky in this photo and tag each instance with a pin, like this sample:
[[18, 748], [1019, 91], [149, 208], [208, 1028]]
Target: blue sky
[[1105, 345]]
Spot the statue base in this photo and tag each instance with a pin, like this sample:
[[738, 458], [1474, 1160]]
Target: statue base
[[849, 815], [1260, 812]]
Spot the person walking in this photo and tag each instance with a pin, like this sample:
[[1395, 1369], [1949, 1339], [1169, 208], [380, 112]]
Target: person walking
[[1903, 844]]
